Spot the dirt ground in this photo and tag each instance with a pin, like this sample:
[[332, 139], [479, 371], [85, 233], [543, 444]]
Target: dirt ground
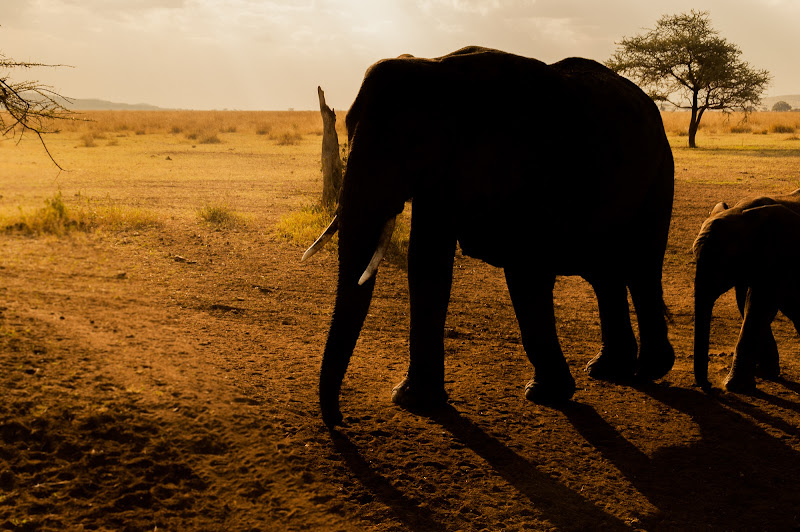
[[167, 378]]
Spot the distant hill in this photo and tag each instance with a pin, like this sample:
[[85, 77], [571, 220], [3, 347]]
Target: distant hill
[[93, 104], [791, 99]]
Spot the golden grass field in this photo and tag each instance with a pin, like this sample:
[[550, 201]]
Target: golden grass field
[[160, 344]]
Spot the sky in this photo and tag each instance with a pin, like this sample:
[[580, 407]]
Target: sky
[[272, 54]]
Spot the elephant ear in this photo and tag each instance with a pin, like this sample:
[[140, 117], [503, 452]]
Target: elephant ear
[[710, 225], [700, 241]]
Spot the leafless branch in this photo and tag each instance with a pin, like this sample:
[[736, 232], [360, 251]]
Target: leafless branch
[[30, 105]]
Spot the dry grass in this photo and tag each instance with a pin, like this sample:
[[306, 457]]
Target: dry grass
[[304, 225], [164, 175], [176, 122], [222, 216], [716, 123], [85, 214]]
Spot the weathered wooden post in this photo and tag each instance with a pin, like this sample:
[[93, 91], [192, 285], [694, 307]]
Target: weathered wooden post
[[331, 163]]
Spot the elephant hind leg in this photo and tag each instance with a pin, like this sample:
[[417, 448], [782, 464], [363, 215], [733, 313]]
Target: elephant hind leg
[[768, 364], [759, 311], [617, 358], [532, 297], [656, 356]]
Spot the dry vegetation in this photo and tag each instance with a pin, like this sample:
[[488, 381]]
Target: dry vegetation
[[160, 345], [714, 123]]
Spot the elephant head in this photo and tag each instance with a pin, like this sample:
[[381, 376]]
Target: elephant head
[[375, 188]]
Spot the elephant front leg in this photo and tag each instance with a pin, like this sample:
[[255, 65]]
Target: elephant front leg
[[532, 297], [617, 357], [759, 311], [430, 275]]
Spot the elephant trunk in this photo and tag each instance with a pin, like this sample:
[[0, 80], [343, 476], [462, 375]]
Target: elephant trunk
[[703, 307], [357, 242]]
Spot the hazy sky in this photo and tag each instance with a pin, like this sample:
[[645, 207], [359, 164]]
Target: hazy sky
[[272, 54]]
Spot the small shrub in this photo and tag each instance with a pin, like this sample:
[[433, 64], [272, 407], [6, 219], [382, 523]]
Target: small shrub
[[263, 129], [176, 130], [741, 129], [141, 132], [228, 129], [210, 139], [53, 218], [780, 128], [221, 216], [88, 140], [304, 226], [289, 139], [192, 136]]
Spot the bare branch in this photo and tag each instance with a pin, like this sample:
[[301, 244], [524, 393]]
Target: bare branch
[[30, 105]]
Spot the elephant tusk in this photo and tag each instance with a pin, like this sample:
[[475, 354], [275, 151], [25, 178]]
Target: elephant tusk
[[323, 238], [380, 251]]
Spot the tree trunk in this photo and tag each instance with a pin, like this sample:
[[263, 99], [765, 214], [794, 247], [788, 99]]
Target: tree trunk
[[692, 131], [694, 122], [331, 163]]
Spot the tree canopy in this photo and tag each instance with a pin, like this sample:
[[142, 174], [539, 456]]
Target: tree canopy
[[685, 62], [781, 106], [29, 105]]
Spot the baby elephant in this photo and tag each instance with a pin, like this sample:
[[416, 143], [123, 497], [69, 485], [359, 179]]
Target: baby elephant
[[754, 247]]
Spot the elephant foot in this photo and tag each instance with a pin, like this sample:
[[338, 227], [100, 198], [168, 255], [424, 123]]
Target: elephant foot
[[611, 368], [769, 372], [736, 383], [415, 396], [704, 385], [655, 364], [551, 389], [332, 417], [329, 404]]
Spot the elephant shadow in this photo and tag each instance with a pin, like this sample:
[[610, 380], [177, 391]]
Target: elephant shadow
[[405, 509], [560, 505], [791, 385], [563, 507], [736, 476]]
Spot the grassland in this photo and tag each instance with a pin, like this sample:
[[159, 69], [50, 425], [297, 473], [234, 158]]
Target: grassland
[[160, 344]]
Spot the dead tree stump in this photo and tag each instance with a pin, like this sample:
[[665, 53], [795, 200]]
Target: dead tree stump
[[331, 163]]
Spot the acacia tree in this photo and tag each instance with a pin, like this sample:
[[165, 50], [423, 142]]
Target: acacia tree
[[29, 106], [683, 61], [781, 106]]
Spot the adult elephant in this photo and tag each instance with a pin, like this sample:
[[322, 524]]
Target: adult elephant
[[746, 247], [541, 170]]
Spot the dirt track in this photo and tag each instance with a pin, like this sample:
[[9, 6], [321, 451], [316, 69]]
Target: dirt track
[[140, 392]]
